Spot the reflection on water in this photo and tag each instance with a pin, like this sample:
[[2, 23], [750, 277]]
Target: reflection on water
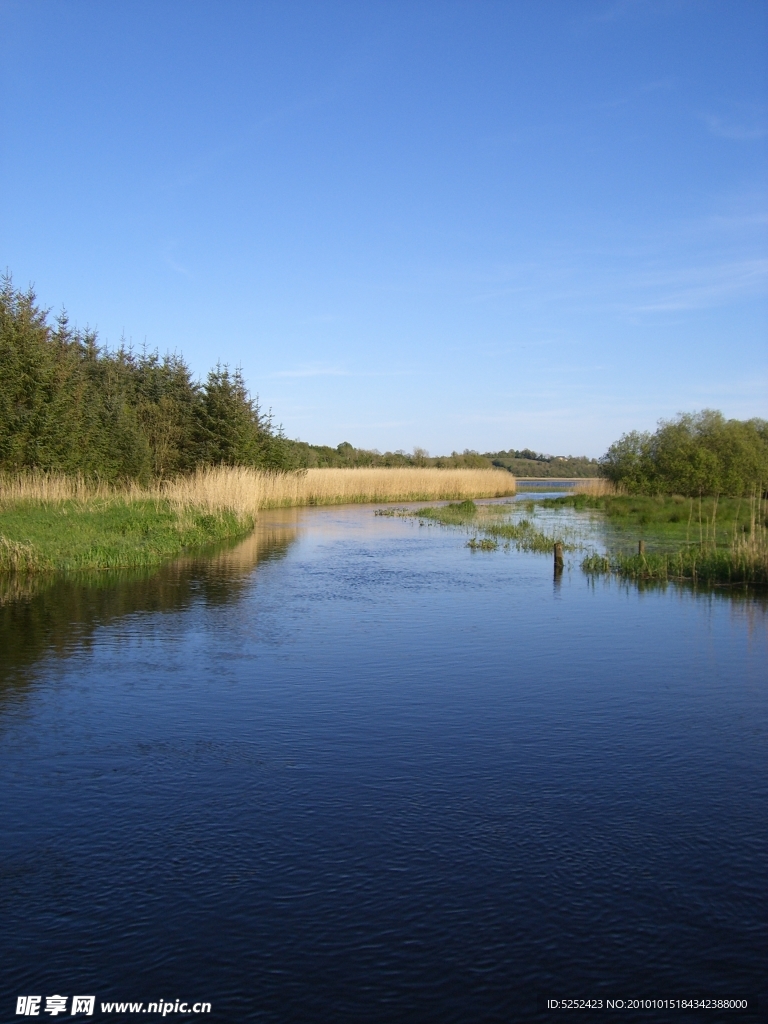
[[57, 615], [349, 770]]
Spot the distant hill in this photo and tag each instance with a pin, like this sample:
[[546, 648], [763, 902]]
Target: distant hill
[[521, 463], [529, 463]]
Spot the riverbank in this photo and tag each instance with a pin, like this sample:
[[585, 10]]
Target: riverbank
[[107, 533], [53, 523]]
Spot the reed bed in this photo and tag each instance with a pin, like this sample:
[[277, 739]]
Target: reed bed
[[246, 491], [51, 522], [36, 487], [597, 487]]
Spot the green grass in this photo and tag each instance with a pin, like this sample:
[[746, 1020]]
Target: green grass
[[668, 521], [106, 534], [457, 513], [524, 535], [720, 567], [482, 544], [720, 543]]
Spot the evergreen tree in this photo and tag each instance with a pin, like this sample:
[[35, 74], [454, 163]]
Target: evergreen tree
[[68, 405]]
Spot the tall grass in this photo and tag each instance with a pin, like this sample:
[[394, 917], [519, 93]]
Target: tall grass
[[743, 560], [245, 491], [39, 487], [51, 522], [597, 487]]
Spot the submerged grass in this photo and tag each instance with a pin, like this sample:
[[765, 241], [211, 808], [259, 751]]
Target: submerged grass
[[672, 521], [730, 546], [522, 533]]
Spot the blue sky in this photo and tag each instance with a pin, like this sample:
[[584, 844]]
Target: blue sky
[[456, 225]]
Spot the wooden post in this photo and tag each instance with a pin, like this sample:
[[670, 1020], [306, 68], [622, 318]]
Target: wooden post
[[558, 555], [641, 547]]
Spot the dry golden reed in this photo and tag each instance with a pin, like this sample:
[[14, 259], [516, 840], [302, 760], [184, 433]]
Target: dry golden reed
[[41, 487], [246, 491], [596, 487]]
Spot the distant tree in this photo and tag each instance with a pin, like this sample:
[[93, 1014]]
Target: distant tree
[[628, 462]]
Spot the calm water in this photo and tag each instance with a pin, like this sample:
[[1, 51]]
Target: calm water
[[351, 771]]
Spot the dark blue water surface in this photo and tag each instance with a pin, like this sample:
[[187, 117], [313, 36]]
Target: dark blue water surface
[[352, 771]]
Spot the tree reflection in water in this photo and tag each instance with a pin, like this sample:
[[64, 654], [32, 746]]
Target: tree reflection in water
[[57, 615]]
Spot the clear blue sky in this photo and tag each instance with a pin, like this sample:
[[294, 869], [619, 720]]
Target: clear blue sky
[[456, 225]]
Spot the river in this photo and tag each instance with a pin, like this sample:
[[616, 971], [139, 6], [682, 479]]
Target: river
[[349, 770]]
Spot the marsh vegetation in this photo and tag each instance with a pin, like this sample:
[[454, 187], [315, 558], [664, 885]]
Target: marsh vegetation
[[58, 522], [492, 525], [709, 541]]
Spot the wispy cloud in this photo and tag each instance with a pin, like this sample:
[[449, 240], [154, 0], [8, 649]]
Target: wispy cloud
[[660, 85], [738, 131], [703, 287], [172, 263], [313, 371]]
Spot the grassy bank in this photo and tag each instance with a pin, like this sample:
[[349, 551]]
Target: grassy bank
[[722, 541], [106, 533], [52, 522]]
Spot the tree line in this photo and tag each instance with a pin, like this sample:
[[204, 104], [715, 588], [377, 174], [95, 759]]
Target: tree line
[[68, 404], [699, 453]]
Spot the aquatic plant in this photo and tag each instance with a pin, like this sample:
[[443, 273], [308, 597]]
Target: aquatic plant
[[482, 544], [484, 519]]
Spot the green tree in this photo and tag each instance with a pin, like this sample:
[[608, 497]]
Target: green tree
[[66, 404], [695, 453], [228, 425]]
